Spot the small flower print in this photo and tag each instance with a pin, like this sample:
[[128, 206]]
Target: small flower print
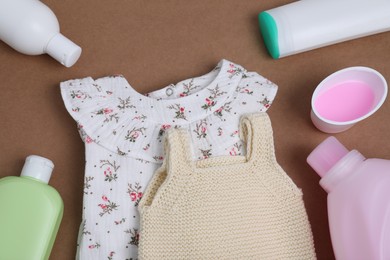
[[134, 134], [111, 255], [84, 135], [158, 158], [110, 170], [235, 133], [107, 111], [244, 90], [179, 111], [123, 220], [120, 152], [85, 231], [238, 146], [88, 139], [201, 129], [233, 151], [78, 94], [108, 114], [125, 103], [98, 88], [142, 161], [236, 149], [134, 236], [206, 153], [220, 131], [140, 118], [135, 193], [107, 206], [188, 88], [163, 128], [210, 101], [248, 91], [146, 147], [265, 102], [220, 111], [234, 70], [109, 175], [87, 184], [76, 109], [93, 246]]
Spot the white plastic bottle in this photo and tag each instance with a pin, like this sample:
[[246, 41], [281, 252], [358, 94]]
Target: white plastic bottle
[[310, 24], [30, 27]]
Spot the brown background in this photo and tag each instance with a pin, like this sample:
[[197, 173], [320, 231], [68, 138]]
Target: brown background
[[155, 43]]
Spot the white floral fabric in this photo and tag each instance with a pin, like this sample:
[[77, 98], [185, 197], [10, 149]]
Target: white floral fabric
[[123, 131]]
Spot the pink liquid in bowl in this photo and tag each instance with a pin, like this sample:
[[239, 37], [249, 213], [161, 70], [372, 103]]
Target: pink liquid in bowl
[[346, 101]]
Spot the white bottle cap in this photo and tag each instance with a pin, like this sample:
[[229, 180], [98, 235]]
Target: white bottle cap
[[63, 50], [38, 167]]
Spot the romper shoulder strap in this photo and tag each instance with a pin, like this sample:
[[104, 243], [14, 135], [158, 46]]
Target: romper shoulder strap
[[177, 150], [169, 181], [256, 132]]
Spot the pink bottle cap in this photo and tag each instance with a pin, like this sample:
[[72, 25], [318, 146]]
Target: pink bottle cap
[[325, 155]]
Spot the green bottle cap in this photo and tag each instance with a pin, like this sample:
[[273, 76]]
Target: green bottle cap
[[269, 30]]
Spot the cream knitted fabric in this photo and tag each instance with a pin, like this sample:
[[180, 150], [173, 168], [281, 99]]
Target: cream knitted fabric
[[228, 207]]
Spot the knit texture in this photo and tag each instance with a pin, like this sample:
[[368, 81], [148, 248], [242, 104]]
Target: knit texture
[[228, 207]]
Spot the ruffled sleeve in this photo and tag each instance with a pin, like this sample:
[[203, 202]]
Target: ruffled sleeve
[[218, 134], [109, 115], [82, 99]]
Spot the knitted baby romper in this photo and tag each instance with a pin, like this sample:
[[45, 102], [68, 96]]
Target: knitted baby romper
[[224, 207]]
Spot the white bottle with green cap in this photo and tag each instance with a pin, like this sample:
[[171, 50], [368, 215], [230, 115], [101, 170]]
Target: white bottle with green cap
[[30, 212], [309, 24]]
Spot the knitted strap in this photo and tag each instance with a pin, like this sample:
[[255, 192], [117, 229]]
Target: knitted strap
[[169, 181], [177, 149], [256, 132]]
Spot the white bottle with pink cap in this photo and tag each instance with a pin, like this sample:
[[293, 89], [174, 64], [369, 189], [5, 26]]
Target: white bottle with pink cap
[[358, 200]]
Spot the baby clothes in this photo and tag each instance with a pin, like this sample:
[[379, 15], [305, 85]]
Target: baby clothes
[[122, 131], [242, 207]]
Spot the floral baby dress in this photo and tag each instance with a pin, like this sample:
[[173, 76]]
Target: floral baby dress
[[123, 130]]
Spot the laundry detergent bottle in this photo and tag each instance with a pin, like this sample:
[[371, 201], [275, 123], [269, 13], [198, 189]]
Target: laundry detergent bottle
[[358, 200], [30, 212]]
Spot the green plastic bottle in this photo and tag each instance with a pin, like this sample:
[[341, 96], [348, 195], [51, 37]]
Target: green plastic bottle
[[30, 212]]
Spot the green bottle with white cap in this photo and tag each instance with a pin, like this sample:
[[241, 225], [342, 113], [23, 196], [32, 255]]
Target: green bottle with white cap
[[30, 212]]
